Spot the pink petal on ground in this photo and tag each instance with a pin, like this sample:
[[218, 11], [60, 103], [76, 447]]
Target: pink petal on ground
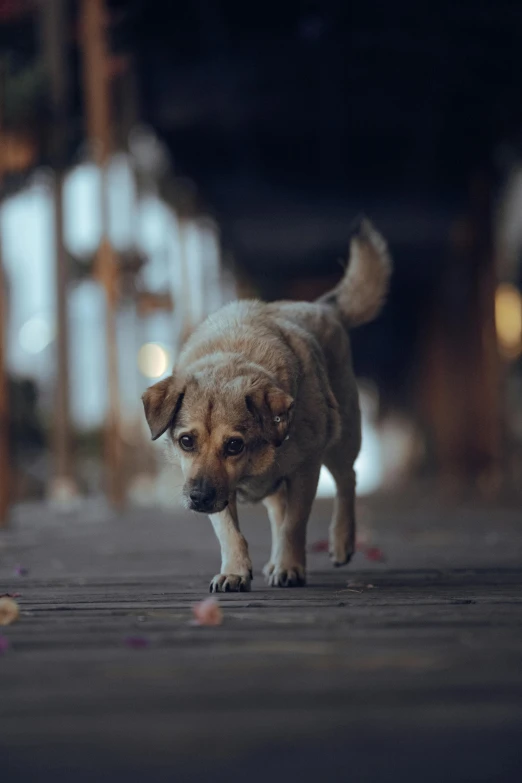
[[4, 645], [375, 554], [207, 612], [9, 611], [319, 546], [137, 642], [359, 586]]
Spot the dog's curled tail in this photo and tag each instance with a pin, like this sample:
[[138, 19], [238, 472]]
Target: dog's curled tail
[[360, 295]]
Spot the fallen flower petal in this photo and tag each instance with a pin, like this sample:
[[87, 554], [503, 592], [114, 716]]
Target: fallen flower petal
[[319, 546], [207, 612], [9, 611], [21, 571], [10, 595], [359, 586], [4, 645], [375, 554], [137, 642]]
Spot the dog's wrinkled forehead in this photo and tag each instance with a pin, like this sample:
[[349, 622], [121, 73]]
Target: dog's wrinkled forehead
[[209, 403]]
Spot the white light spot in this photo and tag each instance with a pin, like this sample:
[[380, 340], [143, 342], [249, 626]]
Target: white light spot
[[153, 360], [36, 334], [326, 486], [369, 467]]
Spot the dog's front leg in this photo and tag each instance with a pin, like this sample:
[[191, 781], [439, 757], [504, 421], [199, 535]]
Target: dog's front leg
[[236, 566], [287, 567]]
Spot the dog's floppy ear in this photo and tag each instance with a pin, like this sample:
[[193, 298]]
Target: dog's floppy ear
[[273, 408], [162, 403]]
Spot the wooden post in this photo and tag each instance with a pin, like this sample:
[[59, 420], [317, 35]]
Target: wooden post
[[461, 379], [5, 471], [93, 16], [484, 422], [54, 44], [5, 467]]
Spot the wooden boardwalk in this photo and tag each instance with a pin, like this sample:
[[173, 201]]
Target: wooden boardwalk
[[416, 679]]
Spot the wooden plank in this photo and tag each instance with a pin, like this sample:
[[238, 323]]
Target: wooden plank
[[418, 676]]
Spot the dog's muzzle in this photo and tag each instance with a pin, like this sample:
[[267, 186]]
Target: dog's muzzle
[[202, 497]]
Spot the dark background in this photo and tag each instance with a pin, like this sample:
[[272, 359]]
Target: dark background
[[286, 120], [294, 117]]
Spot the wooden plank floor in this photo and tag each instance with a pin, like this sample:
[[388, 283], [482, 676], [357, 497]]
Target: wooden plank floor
[[416, 679]]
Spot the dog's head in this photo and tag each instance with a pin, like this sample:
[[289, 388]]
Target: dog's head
[[223, 430]]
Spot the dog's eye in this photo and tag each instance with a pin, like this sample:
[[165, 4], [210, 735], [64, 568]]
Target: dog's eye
[[186, 442], [234, 446]]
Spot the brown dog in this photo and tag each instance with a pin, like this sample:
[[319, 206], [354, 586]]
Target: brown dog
[[261, 397]]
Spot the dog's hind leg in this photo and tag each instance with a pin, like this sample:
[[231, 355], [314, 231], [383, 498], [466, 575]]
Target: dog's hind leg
[[276, 507], [342, 528], [289, 517]]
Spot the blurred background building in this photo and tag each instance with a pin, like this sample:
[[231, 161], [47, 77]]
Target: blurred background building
[[158, 159]]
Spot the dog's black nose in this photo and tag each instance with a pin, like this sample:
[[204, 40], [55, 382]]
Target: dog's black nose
[[202, 496]]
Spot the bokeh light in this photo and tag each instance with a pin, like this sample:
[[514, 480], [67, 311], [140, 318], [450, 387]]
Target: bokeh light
[[36, 334], [153, 360], [508, 320]]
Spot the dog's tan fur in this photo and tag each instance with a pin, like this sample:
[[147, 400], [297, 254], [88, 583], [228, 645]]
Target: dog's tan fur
[[279, 378]]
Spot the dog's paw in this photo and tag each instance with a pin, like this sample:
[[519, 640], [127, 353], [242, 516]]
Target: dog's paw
[[340, 558], [267, 569], [230, 583], [341, 552], [278, 576]]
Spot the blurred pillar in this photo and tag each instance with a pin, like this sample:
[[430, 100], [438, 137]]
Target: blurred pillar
[[5, 468], [485, 423], [188, 320], [461, 380], [5, 479], [54, 43], [93, 21]]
